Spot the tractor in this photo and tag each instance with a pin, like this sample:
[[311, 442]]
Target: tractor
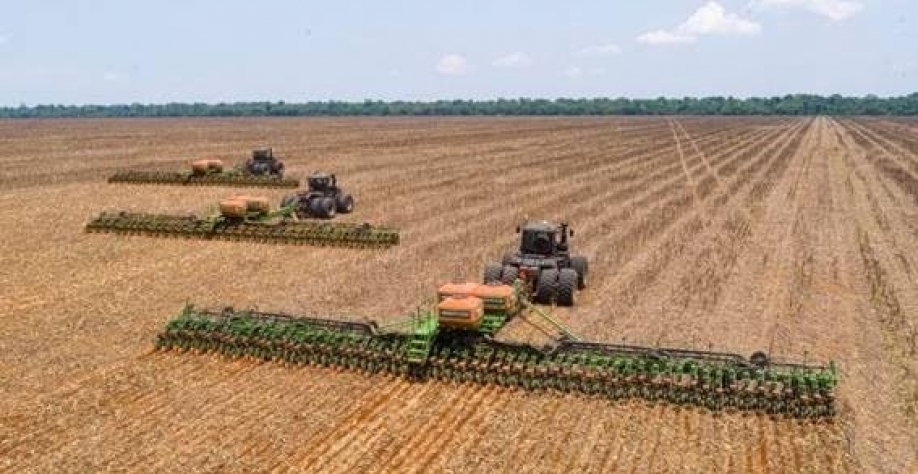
[[543, 261], [323, 199], [264, 163]]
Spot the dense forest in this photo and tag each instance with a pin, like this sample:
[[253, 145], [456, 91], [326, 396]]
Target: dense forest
[[799, 104]]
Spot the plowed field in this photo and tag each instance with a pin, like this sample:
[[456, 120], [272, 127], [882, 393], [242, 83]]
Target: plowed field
[[798, 236]]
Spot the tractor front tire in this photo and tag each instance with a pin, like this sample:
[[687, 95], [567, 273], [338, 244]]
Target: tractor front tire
[[329, 205], [547, 286], [567, 286], [492, 273], [344, 203], [322, 207], [582, 267]]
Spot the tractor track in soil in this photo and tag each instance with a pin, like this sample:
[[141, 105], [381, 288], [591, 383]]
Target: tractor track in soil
[[645, 272], [714, 256], [882, 244]]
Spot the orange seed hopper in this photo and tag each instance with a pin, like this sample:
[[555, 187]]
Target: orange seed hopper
[[206, 165], [460, 312], [463, 305], [240, 205]]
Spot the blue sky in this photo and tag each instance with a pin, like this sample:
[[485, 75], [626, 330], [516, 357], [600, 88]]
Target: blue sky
[[107, 51]]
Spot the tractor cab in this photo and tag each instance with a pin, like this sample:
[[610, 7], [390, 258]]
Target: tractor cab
[[263, 154], [543, 239], [264, 163], [322, 182]]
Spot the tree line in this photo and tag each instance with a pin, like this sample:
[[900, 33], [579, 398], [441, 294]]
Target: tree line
[[798, 104]]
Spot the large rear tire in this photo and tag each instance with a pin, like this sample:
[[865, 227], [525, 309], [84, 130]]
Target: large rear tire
[[547, 286], [315, 207], [329, 204], [509, 274], [582, 267], [492, 272], [321, 207], [344, 203], [567, 286]]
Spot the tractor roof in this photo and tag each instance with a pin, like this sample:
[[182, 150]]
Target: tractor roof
[[319, 175], [543, 226]]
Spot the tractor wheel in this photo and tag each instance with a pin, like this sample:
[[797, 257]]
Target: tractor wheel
[[582, 267], [492, 273], [329, 205], [344, 203], [759, 359], [509, 274], [322, 207], [547, 286], [567, 285], [315, 207]]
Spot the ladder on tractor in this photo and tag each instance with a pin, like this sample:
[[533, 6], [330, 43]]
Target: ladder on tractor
[[424, 327]]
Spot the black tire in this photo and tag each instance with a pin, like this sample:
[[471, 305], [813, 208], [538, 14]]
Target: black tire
[[759, 359], [567, 286], [322, 207], [344, 203], [492, 273], [582, 267], [329, 205], [509, 274], [547, 286], [315, 207]]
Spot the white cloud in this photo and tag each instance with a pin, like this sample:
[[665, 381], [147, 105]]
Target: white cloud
[[665, 37], [114, 76], [453, 65], [599, 50], [513, 60], [711, 19], [835, 10]]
